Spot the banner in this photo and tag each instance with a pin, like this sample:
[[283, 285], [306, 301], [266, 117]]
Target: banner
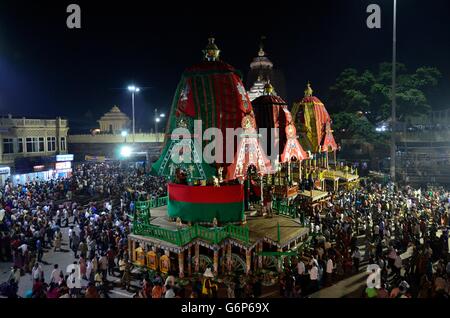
[[204, 203]]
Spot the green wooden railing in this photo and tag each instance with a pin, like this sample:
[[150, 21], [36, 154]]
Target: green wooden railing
[[143, 208], [282, 208], [183, 236], [154, 203]]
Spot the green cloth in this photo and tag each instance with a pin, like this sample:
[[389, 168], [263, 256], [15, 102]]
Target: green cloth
[[206, 212], [371, 292]]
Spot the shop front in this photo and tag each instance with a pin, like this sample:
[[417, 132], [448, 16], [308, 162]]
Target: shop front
[[42, 169], [5, 173]]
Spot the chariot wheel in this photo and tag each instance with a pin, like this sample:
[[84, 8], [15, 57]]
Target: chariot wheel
[[237, 263], [270, 262]]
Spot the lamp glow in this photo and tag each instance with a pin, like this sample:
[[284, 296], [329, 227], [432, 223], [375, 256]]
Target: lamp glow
[[125, 151]]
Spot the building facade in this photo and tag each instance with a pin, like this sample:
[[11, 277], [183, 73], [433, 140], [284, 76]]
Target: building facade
[[114, 121], [29, 147], [107, 146]]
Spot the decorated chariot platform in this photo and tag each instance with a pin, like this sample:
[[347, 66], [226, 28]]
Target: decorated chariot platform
[[206, 221], [167, 246]]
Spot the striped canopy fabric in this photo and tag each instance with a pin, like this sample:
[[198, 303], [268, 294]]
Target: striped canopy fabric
[[272, 111], [210, 91], [314, 122]]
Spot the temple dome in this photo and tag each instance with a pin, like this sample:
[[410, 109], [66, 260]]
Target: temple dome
[[114, 121]]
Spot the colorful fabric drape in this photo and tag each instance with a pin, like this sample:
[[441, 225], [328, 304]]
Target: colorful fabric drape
[[272, 112], [213, 93], [204, 203], [314, 121]]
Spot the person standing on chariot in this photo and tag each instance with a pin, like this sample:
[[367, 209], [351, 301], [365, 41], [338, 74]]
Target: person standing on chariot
[[268, 198]]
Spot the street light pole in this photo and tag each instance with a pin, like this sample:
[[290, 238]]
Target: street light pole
[[133, 89], [394, 102], [156, 121], [132, 105]]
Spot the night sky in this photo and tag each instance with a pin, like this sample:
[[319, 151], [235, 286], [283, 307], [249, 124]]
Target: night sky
[[48, 70]]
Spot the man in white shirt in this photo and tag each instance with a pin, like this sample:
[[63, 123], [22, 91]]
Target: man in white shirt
[[37, 272], [314, 278], [301, 268], [23, 248], [329, 271], [55, 276]]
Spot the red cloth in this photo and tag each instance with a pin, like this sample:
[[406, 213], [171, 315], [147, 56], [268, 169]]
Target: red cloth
[[206, 194]]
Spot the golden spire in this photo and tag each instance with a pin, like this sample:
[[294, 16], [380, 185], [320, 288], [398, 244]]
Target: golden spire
[[268, 89], [211, 52], [261, 52], [308, 91]]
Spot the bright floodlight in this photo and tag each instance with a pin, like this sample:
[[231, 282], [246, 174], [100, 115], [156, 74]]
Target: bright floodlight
[[132, 88], [157, 120], [137, 90], [125, 151], [124, 133], [162, 115]]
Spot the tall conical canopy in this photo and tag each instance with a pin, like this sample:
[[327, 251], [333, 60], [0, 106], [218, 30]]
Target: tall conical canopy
[[211, 92], [271, 111], [314, 122]]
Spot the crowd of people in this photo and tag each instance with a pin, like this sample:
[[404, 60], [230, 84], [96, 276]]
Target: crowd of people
[[33, 215], [401, 234]]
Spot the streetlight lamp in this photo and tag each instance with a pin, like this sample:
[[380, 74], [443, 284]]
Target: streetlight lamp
[[394, 102], [157, 121], [124, 134], [133, 89], [126, 151]]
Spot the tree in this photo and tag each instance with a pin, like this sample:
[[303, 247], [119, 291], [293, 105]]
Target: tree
[[370, 92], [348, 125]]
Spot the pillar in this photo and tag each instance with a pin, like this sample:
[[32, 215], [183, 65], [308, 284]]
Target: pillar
[[248, 261], [229, 257], [335, 161], [130, 247], [197, 258], [289, 170], [216, 262], [222, 264], [260, 258], [280, 261], [300, 169], [189, 264], [132, 252], [181, 264]]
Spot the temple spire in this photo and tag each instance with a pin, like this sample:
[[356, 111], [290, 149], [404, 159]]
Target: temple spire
[[308, 90], [211, 52], [261, 52]]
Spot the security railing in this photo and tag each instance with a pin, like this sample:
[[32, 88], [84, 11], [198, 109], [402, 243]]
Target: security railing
[[183, 236], [282, 208]]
